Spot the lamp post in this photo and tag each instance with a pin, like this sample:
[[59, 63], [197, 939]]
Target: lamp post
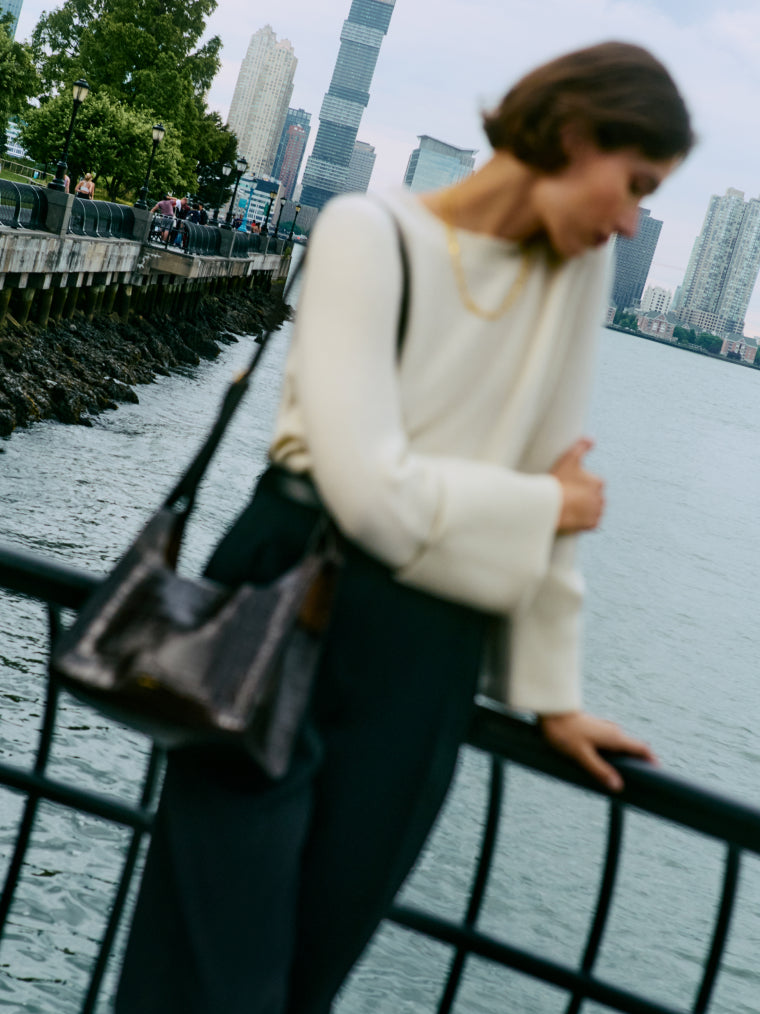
[[293, 223], [240, 167], [276, 227], [80, 90], [272, 195], [159, 132], [226, 170]]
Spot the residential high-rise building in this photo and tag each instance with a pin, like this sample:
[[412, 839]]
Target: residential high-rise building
[[11, 7], [292, 158], [293, 117], [633, 259], [360, 167], [656, 298], [326, 172], [260, 100], [437, 164], [723, 266]]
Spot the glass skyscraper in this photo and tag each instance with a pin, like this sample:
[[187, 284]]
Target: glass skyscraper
[[633, 259], [326, 172], [437, 164], [11, 7], [294, 117]]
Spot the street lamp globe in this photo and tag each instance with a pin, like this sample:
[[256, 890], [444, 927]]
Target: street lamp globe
[[241, 165], [159, 132], [226, 169], [80, 90]]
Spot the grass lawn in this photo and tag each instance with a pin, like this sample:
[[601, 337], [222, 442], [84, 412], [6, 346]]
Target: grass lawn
[[15, 178]]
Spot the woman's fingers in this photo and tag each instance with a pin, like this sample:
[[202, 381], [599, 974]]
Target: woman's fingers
[[582, 736], [571, 459]]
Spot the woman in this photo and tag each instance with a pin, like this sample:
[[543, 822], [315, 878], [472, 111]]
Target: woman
[[455, 471], [86, 187]]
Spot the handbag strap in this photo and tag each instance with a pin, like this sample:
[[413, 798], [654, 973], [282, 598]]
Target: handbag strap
[[182, 496]]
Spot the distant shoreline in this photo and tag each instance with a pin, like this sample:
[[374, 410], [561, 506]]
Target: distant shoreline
[[696, 349]]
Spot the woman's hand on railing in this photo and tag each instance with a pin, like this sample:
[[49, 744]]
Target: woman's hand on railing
[[582, 736]]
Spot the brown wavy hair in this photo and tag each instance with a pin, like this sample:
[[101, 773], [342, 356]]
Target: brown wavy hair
[[618, 94]]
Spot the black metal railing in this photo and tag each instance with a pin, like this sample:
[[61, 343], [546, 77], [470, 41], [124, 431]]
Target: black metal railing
[[185, 237], [101, 219], [22, 205], [245, 243], [505, 739]]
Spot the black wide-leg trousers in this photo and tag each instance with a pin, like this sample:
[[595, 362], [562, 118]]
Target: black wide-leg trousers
[[259, 896]]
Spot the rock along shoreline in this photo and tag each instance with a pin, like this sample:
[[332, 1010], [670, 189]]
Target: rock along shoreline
[[73, 370]]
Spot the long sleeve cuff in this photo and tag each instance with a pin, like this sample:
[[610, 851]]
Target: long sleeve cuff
[[491, 540]]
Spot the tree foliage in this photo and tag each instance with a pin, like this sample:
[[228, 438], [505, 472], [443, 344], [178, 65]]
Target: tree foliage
[[110, 140], [18, 78], [147, 57]]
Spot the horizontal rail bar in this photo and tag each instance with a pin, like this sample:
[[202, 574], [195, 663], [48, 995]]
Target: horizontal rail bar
[[20, 780], [523, 961], [647, 787], [39, 578]]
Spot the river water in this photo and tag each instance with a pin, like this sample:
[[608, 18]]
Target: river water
[[670, 652]]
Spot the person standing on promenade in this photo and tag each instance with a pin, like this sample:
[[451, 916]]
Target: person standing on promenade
[[165, 207], [454, 470], [86, 187]]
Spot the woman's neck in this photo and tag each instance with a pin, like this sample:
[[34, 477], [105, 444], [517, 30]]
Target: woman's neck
[[496, 200]]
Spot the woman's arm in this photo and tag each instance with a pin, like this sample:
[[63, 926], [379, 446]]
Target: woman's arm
[[468, 530]]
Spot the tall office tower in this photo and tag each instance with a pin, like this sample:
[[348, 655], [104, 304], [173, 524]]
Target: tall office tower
[[360, 167], [723, 266], [292, 158], [437, 164], [339, 118], [260, 100], [293, 116], [11, 7], [633, 258]]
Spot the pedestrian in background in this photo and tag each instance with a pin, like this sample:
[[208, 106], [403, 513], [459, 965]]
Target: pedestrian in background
[[86, 187]]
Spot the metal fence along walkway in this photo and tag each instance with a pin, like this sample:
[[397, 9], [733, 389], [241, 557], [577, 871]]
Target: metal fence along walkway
[[508, 741]]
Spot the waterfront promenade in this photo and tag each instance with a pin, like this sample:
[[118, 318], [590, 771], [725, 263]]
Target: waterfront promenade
[[59, 253]]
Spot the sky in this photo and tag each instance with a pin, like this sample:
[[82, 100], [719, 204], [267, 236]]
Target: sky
[[442, 63]]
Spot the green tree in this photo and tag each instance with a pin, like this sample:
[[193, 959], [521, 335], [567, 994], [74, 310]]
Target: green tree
[[709, 342], [18, 78], [623, 319], [217, 145], [145, 55], [109, 140], [684, 334]]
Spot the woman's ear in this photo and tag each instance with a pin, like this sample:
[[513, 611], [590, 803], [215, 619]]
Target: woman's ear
[[575, 141]]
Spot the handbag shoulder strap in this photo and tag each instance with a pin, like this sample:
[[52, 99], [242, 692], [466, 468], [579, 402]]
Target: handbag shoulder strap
[[182, 496]]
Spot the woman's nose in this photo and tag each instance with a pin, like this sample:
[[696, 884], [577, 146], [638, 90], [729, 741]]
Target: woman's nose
[[628, 222]]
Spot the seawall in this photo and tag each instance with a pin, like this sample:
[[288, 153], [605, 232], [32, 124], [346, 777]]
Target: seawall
[[81, 365]]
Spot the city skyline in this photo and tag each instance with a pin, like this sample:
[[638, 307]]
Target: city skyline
[[329, 166], [436, 74]]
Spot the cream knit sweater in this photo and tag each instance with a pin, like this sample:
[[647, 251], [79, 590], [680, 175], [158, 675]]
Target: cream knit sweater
[[437, 466]]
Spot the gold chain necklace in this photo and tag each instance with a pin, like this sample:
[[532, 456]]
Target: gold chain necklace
[[455, 253]]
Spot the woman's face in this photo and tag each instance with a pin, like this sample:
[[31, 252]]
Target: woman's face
[[597, 194]]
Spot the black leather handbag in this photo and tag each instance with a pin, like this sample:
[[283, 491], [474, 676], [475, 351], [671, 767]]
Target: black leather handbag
[[188, 661]]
